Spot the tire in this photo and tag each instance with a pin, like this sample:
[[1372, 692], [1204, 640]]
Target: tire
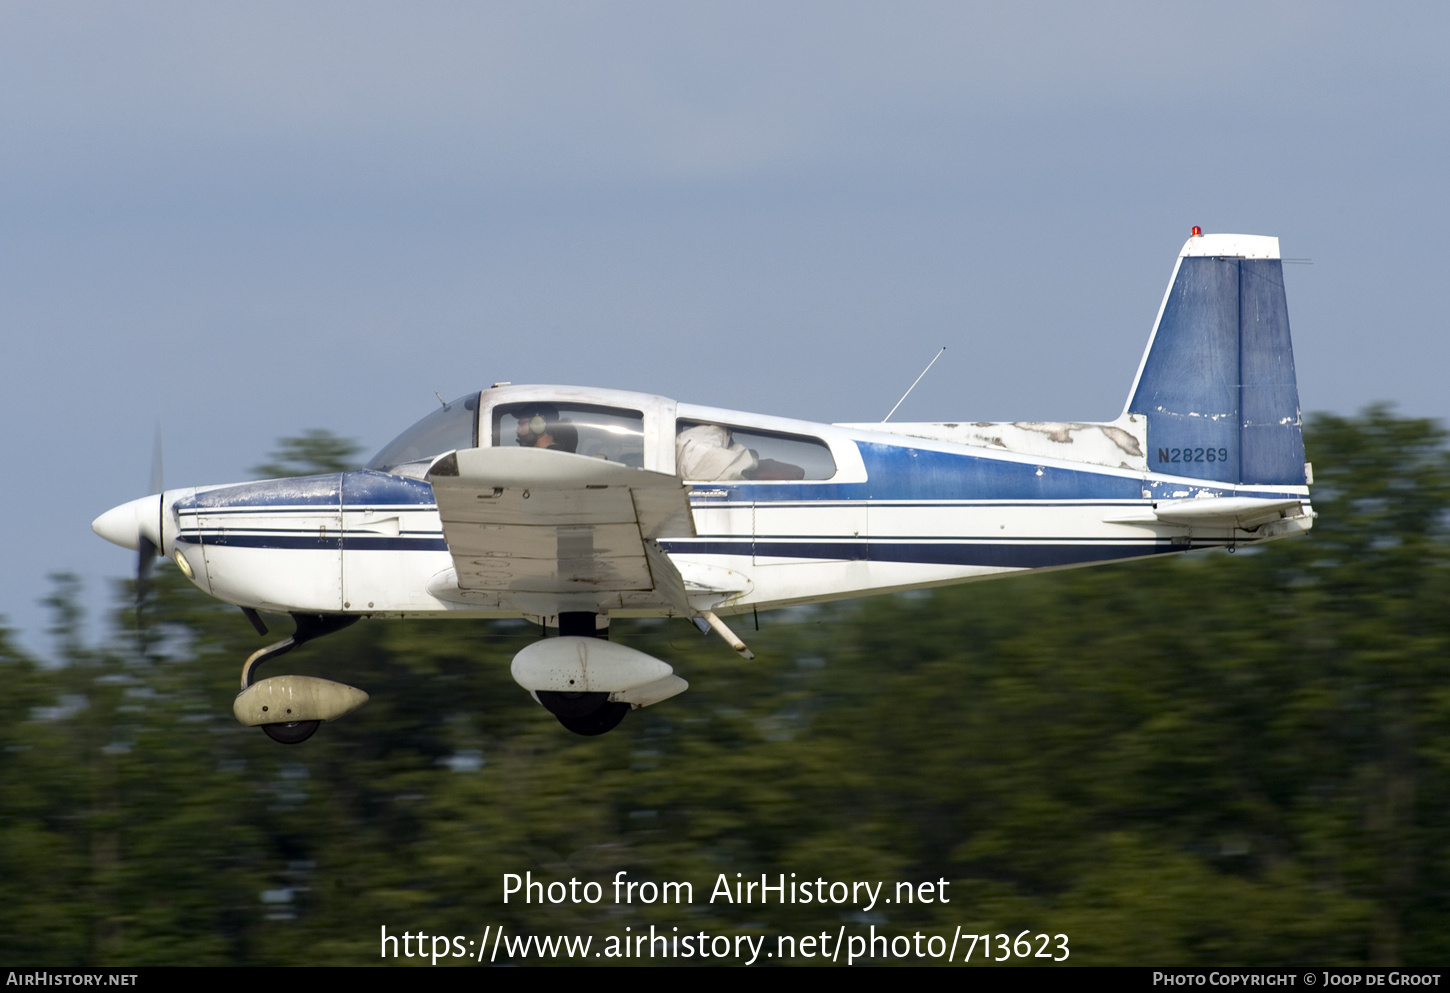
[[563, 705], [292, 734], [602, 720]]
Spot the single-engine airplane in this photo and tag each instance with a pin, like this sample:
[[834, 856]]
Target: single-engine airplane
[[571, 506]]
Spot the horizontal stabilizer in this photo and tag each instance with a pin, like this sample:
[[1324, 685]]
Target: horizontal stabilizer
[[1238, 512], [1243, 513]]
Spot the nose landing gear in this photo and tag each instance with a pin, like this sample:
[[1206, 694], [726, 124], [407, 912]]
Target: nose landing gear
[[289, 709]]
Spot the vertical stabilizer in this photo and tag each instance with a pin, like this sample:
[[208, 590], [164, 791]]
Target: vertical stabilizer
[[1217, 382]]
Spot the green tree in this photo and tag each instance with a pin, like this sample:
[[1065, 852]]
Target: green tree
[[314, 451]]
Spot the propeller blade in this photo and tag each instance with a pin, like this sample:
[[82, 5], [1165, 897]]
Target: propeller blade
[[156, 461], [145, 557], [146, 550]]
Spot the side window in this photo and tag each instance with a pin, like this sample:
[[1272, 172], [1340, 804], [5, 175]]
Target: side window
[[611, 433], [708, 452]]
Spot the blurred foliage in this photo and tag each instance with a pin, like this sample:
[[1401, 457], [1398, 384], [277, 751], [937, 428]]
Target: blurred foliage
[[1218, 759], [313, 452]]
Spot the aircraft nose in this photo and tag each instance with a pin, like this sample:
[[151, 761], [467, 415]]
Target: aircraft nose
[[127, 524]]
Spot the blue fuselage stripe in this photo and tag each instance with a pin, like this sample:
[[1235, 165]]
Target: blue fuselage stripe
[[900, 477], [314, 541], [1007, 555]]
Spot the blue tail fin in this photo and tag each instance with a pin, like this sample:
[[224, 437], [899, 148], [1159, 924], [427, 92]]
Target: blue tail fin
[[1217, 382]]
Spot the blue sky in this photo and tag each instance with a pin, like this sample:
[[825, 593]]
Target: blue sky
[[248, 220]]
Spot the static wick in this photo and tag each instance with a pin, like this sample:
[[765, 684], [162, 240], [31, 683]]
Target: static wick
[[913, 385]]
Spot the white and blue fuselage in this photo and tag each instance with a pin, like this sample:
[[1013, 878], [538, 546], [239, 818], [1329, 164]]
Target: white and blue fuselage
[[900, 512]]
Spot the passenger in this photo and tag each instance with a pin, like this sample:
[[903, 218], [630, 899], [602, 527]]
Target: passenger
[[706, 452]]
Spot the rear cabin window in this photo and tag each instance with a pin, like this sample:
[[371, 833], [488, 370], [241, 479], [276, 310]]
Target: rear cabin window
[[611, 433], [708, 452]]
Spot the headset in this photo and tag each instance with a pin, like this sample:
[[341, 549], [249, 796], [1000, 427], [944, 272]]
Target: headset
[[542, 419]]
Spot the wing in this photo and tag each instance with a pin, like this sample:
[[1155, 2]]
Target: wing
[[528, 520]]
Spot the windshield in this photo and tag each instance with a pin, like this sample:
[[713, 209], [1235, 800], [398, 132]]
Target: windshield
[[455, 426]]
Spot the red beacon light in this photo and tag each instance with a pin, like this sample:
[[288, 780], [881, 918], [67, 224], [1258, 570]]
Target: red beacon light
[[1197, 231]]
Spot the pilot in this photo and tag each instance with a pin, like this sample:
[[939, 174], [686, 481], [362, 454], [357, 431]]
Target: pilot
[[541, 427]]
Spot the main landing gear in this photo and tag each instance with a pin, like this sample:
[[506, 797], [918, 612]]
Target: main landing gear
[[582, 712], [289, 709], [589, 682]]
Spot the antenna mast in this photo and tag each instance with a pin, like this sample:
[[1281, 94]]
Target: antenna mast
[[913, 385]]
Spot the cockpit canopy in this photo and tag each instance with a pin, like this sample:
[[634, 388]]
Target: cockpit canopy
[[700, 444], [455, 426]]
